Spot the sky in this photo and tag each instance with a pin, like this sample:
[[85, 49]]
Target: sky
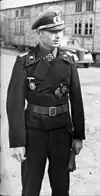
[[17, 3]]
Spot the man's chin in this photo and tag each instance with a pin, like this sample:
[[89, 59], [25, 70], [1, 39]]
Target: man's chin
[[56, 45]]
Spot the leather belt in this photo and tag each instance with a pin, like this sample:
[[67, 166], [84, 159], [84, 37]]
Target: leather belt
[[50, 111]]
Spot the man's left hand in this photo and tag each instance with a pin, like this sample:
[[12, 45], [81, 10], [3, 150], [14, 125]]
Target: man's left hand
[[78, 145]]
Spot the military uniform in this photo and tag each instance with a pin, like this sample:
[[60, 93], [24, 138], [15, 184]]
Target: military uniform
[[44, 125]]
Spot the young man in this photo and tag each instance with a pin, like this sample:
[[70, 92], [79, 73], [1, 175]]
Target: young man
[[48, 79]]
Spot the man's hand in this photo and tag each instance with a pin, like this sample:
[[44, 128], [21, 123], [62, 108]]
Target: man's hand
[[78, 145], [19, 153]]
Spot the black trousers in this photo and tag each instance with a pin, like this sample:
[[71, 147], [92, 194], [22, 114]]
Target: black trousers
[[42, 145]]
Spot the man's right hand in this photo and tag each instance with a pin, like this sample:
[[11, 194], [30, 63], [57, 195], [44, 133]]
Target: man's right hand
[[19, 153]]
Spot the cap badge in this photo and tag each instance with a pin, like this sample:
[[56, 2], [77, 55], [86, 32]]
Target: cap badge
[[57, 19]]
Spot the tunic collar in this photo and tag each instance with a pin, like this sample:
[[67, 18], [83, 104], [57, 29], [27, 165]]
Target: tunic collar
[[37, 53]]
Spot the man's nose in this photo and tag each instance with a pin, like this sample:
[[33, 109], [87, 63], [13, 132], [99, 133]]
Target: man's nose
[[58, 35]]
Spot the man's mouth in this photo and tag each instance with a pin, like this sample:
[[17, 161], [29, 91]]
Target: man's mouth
[[56, 41]]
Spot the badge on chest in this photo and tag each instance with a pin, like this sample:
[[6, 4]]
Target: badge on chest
[[61, 90], [31, 83]]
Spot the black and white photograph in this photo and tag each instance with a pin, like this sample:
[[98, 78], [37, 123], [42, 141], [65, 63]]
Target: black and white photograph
[[50, 98]]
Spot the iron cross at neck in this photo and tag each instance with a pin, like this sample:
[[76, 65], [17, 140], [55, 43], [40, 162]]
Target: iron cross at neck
[[51, 55]]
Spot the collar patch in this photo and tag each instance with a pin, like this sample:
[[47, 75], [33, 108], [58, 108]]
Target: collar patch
[[30, 59], [67, 57]]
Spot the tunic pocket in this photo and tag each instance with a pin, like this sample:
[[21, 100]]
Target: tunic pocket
[[32, 120]]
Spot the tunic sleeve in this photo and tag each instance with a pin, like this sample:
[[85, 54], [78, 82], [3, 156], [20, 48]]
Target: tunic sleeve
[[77, 110], [15, 105]]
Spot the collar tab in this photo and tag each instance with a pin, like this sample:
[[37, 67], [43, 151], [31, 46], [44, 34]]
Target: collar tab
[[31, 59], [67, 57]]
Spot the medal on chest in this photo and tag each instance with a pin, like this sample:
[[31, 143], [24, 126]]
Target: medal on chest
[[61, 90], [32, 84]]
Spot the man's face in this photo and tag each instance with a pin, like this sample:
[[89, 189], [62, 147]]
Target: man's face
[[50, 40]]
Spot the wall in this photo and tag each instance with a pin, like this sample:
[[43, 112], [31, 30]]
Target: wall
[[97, 26], [6, 25], [72, 16]]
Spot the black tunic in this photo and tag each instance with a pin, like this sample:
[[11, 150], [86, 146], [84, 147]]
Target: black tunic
[[34, 80]]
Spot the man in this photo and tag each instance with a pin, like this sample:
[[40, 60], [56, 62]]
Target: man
[[47, 78]]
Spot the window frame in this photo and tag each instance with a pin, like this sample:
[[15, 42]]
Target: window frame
[[89, 5], [88, 31], [78, 7], [21, 27], [77, 28], [22, 12], [17, 26], [17, 13]]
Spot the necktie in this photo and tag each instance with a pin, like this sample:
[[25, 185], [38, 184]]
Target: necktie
[[49, 57]]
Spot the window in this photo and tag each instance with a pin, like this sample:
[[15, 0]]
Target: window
[[78, 6], [78, 28], [91, 29], [75, 29], [17, 13], [17, 27], [22, 12], [88, 27], [89, 5], [22, 27]]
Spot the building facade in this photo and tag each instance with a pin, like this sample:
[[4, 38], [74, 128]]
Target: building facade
[[81, 19], [82, 22]]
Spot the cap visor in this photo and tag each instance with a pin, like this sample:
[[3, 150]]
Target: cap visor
[[55, 28]]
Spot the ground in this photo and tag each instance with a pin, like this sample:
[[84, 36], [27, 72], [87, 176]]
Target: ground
[[85, 181]]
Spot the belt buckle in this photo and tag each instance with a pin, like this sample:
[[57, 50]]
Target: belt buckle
[[52, 111]]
